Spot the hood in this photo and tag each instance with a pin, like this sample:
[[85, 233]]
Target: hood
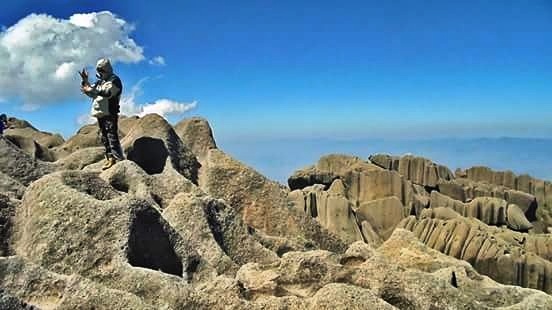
[[103, 68]]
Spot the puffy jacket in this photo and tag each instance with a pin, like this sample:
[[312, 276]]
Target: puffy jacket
[[106, 92]]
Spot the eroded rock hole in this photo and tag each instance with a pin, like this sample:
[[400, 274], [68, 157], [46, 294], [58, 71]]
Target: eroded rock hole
[[158, 200], [150, 154], [120, 184], [149, 244]]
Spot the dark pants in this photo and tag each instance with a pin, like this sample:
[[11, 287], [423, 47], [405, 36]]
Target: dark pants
[[110, 136]]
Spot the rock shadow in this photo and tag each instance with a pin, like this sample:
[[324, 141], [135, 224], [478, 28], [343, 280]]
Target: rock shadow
[[149, 244], [149, 153]]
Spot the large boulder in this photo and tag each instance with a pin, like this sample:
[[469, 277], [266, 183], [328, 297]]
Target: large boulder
[[31, 147], [262, 203], [81, 158], [216, 231], [19, 165], [197, 134], [45, 139], [153, 144], [326, 170], [33, 287], [383, 214], [73, 222]]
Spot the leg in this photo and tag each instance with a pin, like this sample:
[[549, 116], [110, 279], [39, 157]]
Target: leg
[[112, 129], [102, 123]]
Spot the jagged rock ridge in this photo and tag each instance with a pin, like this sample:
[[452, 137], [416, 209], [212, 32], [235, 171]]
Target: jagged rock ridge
[[182, 225]]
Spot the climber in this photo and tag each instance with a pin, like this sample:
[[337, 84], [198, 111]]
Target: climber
[[3, 123], [105, 94]]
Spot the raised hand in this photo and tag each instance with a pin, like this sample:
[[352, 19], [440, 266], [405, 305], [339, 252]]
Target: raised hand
[[84, 76]]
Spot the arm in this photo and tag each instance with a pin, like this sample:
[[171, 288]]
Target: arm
[[107, 90]]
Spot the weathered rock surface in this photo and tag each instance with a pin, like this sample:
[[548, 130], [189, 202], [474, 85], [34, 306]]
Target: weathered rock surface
[[75, 223], [477, 244], [31, 147], [216, 232], [196, 133], [330, 208], [417, 170], [182, 225], [466, 190], [152, 143], [262, 203], [489, 210], [19, 165], [363, 181], [541, 189]]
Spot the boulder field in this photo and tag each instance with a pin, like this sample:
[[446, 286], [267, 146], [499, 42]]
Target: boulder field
[[180, 224]]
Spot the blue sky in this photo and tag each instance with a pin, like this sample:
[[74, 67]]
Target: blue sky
[[347, 69], [322, 73]]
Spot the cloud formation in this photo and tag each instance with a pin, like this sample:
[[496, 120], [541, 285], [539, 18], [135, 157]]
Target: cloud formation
[[158, 61], [40, 54]]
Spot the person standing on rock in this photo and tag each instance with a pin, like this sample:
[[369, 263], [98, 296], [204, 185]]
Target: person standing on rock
[[105, 94], [3, 123]]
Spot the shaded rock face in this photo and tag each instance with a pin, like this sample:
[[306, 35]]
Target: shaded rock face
[[31, 147], [7, 214], [149, 244], [149, 153], [182, 225]]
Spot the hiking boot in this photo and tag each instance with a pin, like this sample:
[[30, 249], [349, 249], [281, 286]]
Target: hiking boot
[[109, 163]]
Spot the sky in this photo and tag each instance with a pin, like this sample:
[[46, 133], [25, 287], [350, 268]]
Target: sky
[[280, 70]]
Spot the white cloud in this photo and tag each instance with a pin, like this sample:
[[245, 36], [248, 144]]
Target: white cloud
[[163, 106], [130, 106], [40, 54], [166, 107], [158, 60]]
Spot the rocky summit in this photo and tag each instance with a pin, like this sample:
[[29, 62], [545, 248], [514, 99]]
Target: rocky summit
[[182, 225]]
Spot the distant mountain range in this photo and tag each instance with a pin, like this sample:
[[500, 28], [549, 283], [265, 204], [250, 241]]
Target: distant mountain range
[[278, 159]]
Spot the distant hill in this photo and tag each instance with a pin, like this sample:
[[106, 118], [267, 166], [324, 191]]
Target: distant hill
[[277, 159]]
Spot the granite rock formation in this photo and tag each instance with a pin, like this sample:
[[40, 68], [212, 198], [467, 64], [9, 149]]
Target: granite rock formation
[[182, 225]]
